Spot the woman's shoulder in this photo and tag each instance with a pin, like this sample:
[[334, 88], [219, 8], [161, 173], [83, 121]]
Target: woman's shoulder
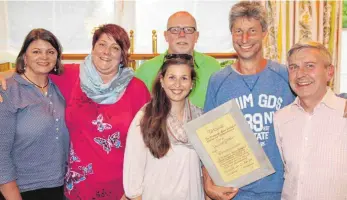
[[136, 82], [67, 78], [137, 88], [196, 111], [138, 117], [71, 69], [71, 66]]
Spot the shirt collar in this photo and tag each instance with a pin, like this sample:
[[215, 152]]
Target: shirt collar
[[269, 64], [22, 81], [330, 100]]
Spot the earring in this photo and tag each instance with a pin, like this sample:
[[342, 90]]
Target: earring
[[24, 68], [55, 69]]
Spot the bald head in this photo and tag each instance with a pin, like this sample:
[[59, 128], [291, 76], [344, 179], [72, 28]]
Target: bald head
[[182, 41], [177, 18]]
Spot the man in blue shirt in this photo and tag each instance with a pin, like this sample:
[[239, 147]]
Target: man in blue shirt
[[260, 88]]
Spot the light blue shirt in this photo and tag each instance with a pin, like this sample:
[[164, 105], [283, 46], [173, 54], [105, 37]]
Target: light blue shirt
[[34, 140], [259, 96]]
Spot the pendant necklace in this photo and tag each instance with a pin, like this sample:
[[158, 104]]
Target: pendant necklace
[[41, 88]]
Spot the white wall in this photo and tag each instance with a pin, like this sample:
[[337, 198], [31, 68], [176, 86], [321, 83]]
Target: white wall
[[5, 54], [211, 17], [73, 21], [3, 25]]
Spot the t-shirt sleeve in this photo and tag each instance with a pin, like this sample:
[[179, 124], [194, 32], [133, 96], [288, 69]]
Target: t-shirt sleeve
[[210, 100]]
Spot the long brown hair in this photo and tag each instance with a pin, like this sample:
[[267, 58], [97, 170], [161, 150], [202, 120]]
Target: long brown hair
[[153, 124]]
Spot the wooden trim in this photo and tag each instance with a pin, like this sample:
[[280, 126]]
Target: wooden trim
[[149, 56], [5, 66], [73, 56], [136, 56], [223, 55]]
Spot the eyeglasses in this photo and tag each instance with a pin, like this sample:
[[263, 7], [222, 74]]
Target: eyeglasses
[[186, 30], [182, 56]]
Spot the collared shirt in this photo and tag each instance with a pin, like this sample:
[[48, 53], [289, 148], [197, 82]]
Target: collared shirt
[[314, 150], [34, 140], [205, 66]]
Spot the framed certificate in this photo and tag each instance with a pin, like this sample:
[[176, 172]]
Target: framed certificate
[[227, 147]]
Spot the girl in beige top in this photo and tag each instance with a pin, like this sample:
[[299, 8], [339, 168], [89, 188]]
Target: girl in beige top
[[159, 162]]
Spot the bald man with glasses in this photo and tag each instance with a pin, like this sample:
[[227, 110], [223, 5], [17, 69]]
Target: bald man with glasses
[[181, 35]]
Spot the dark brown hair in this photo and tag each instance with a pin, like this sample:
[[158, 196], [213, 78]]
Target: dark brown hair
[[119, 35], [153, 124], [40, 34]]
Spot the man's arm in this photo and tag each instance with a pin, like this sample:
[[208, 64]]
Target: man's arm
[[213, 191], [216, 192]]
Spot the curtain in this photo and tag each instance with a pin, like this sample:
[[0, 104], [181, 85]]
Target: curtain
[[293, 21]]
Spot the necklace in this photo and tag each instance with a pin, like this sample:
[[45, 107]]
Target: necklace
[[41, 88]]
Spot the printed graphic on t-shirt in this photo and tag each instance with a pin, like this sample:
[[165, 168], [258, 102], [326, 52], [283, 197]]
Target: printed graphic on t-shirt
[[73, 156], [100, 124], [111, 141], [74, 177], [260, 122]]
